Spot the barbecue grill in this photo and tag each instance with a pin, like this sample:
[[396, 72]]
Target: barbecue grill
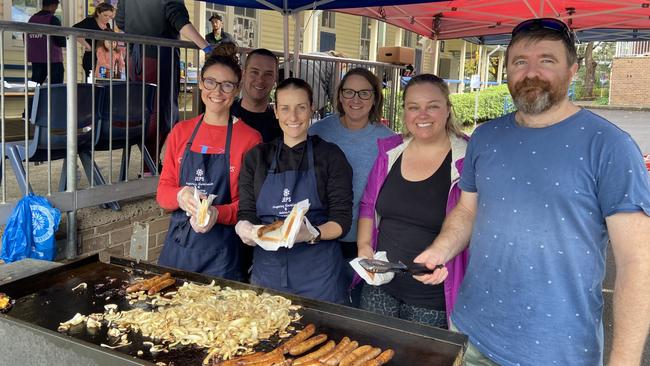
[[28, 332]]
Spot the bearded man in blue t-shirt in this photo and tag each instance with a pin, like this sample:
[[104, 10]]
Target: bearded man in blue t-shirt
[[544, 191]]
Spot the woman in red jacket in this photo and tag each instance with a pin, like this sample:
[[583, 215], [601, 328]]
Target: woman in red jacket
[[206, 153]]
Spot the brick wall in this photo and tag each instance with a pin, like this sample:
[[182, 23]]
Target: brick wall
[[109, 232], [630, 82]]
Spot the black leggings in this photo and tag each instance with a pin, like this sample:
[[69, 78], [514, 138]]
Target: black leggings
[[374, 299]]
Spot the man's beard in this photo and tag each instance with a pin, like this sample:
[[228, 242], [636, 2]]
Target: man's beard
[[535, 96]]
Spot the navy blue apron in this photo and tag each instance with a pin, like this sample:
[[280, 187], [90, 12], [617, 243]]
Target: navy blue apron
[[216, 252], [310, 270]]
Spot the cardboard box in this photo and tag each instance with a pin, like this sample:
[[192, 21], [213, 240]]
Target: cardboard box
[[396, 55]]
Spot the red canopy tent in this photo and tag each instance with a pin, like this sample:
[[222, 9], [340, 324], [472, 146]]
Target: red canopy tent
[[597, 19]]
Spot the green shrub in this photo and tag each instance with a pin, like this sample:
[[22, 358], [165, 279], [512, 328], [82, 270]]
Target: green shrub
[[602, 100], [493, 102]]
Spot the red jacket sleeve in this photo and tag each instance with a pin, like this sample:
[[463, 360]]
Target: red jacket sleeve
[[244, 139], [168, 185]]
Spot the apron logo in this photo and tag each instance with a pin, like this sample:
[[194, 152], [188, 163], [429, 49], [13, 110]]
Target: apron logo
[[199, 176], [286, 195]]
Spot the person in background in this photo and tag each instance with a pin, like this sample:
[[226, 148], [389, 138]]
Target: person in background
[[545, 190], [278, 174], [100, 20], [355, 128], [112, 64], [206, 153], [218, 35], [164, 19], [412, 186], [37, 46], [254, 107]]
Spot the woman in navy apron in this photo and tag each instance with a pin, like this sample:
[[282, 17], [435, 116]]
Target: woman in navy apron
[[278, 174], [206, 153]]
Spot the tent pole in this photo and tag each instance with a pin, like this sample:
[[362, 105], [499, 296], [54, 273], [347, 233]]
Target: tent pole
[[285, 19], [461, 68], [435, 54], [297, 38], [500, 68]]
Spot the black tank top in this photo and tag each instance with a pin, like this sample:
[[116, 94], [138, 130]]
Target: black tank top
[[411, 217]]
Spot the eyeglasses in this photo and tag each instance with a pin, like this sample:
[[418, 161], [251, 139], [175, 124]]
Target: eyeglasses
[[225, 86], [363, 94], [546, 23]]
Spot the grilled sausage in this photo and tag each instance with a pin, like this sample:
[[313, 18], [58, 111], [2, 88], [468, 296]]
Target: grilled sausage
[[241, 360], [270, 227], [383, 358], [273, 358], [264, 358], [146, 286], [161, 285], [325, 349], [352, 356], [141, 284], [133, 288], [336, 358], [339, 347], [369, 355], [307, 332], [308, 344]]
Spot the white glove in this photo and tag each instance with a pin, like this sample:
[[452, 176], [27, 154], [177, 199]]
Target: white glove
[[374, 279], [186, 200], [245, 231], [304, 234]]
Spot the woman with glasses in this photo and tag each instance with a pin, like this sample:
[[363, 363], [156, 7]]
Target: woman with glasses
[[411, 187], [205, 153], [278, 174], [355, 128]]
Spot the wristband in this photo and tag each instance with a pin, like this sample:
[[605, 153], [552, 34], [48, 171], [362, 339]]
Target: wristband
[[208, 49]]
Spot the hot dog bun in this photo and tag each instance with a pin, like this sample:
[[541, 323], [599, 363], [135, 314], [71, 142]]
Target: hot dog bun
[[203, 212]]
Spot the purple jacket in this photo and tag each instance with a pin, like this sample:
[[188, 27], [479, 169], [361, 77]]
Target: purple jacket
[[390, 149]]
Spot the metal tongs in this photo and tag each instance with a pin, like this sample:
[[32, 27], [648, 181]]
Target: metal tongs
[[379, 266]]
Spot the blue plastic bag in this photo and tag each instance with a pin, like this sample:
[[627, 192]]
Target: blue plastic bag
[[30, 230]]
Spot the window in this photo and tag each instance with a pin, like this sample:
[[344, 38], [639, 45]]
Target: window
[[327, 20], [407, 38], [364, 51], [245, 12], [210, 10], [245, 27]]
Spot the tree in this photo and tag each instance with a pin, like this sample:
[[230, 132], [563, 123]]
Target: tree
[[594, 59], [590, 71]]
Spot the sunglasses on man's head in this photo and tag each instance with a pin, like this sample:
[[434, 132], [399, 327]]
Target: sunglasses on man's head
[[545, 23]]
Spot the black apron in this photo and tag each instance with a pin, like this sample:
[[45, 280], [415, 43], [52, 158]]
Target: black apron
[[216, 252], [310, 270]]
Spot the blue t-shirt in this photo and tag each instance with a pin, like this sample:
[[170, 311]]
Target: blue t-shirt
[[360, 148], [532, 292]]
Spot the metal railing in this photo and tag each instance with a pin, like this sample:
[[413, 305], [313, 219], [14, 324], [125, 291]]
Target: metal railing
[[72, 196], [632, 49]]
